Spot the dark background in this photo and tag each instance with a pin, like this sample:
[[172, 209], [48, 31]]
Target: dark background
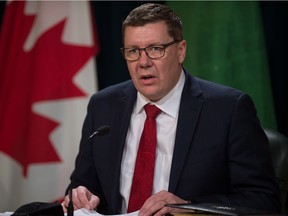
[[111, 68]]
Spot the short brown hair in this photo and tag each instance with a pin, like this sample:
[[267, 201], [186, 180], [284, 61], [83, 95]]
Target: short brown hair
[[153, 13]]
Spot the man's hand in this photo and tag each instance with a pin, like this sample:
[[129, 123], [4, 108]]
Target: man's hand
[[155, 205], [82, 198]]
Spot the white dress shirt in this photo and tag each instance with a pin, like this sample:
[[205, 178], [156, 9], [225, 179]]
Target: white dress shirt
[[166, 131]]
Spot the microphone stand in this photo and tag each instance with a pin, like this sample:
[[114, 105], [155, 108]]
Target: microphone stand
[[70, 208]]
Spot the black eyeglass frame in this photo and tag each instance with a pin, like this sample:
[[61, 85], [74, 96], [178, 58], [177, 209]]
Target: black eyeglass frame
[[164, 46]]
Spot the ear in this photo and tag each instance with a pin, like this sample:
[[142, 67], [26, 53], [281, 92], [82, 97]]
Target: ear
[[181, 51]]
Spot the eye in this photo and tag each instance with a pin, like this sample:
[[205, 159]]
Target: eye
[[132, 51], [156, 49]]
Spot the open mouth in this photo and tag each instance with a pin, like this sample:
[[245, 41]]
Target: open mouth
[[146, 77]]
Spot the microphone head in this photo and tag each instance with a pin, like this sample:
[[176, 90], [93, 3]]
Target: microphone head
[[103, 130]]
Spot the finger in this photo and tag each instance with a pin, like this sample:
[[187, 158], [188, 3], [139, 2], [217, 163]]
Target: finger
[[156, 198], [161, 212], [168, 210], [85, 198], [64, 206], [77, 204], [151, 208], [94, 201]]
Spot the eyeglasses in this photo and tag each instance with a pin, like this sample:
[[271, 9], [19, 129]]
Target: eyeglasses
[[153, 52]]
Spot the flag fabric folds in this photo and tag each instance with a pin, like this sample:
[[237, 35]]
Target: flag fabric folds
[[47, 74], [226, 45]]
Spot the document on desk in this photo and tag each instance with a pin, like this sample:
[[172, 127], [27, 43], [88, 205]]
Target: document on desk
[[6, 214], [85, 212]]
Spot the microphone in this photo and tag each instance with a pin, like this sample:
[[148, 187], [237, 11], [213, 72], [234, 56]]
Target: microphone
[[99, 132]]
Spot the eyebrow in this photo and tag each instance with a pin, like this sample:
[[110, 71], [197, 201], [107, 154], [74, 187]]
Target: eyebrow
[[152, 44]]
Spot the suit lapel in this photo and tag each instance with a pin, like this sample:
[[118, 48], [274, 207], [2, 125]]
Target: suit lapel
[[190, 107]]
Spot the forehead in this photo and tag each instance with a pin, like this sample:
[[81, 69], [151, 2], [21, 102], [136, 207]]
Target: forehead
[[149, 33]]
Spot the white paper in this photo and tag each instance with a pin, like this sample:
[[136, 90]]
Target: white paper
[[85, 212], [6, 213]]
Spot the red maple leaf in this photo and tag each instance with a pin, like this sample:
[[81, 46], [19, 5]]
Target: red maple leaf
[[44, 73]]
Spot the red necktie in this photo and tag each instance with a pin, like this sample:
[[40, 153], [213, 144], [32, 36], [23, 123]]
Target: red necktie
[[145, 163]]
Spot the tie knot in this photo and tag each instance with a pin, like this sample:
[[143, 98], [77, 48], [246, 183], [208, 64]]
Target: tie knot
[[151, 111]]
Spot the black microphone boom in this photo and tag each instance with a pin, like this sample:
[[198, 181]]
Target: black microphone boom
[[100, 131]]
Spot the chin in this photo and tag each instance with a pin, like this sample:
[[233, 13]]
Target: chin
[[152, 97], [150, 93]]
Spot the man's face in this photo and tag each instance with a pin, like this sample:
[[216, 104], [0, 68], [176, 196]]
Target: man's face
[[154, 78]]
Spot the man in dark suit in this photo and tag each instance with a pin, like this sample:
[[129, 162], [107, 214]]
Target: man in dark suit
[[210, 145]]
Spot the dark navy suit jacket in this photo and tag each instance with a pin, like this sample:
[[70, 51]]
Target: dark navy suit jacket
[[221, 153]]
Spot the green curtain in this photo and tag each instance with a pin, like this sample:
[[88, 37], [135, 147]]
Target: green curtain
[[226, 45]]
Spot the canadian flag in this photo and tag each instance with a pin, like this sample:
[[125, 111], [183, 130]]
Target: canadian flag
[[47, 74]]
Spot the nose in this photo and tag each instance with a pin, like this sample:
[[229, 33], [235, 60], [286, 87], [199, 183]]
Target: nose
[[144, 60]]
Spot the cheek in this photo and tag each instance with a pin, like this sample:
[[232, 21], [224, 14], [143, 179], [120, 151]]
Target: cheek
[[132, 69], [168, 77], [170, 73]]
